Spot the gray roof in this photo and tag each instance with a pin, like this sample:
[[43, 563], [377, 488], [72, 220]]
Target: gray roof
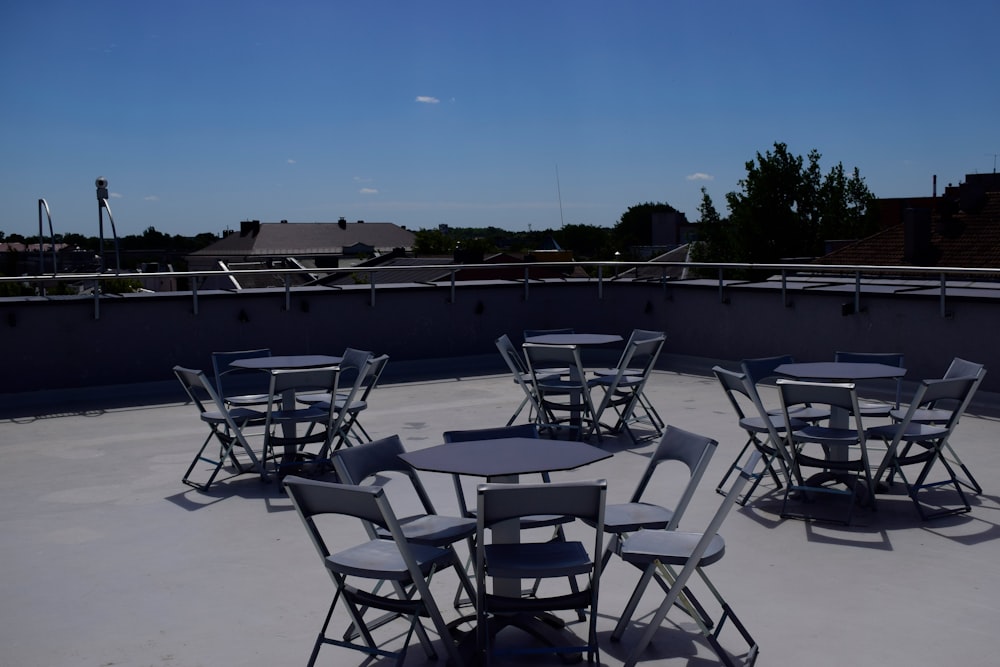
[[291, 239]]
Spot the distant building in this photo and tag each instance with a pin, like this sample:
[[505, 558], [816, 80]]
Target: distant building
[[960, 228], [319, 245]]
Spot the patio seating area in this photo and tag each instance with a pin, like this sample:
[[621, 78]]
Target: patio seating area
[[109, 559]]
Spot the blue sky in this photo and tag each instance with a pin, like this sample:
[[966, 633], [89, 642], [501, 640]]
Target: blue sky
[[204, 113]]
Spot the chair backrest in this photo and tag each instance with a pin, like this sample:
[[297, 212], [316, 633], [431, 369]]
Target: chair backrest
[[734, 385], [542, 356], [372, 375], [693, 450], [230, 380], [835, 394], [495, 433], [352, 366], [322, 379], [962, 368], [762, 368], [954, 390], [515, 362], [581, 500], [199, 391], [358, 464]]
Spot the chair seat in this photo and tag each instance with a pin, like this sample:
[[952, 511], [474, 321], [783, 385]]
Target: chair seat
[[923, 415], [248, 399], [433, 529], [382, 559], [630, 517], [537, 560], [759, 425], [826, 435], [874, 408], [670, 547], [804, 413], [913, 432], [311, 414], [239, 415], [614, 371]]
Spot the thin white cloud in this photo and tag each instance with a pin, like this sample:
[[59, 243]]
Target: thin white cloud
[[290, 161], [116, 195], [368, 191], [427, 99], [151, 198], [359, 179], [699, 176]]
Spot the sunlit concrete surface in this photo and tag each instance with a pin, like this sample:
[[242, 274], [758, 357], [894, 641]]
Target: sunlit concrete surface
[[107, 559]]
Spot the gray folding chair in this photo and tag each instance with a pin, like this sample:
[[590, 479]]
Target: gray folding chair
[[225, 426], [499, 566], [765, 432], [634, 367], [522, 377], [567, 395], [836, 464], [763, 369], [659, 552], [912, 443], [358, 571], [623, 391], [868, 406], [353, 407], [292, 428], [243, 387], [554, 521], [690, 449], [940, 412]]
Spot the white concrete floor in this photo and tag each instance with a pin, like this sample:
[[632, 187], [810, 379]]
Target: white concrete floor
[[107, 559]]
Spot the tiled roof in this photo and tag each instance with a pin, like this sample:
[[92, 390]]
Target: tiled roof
[[969, 239], [276, 239]]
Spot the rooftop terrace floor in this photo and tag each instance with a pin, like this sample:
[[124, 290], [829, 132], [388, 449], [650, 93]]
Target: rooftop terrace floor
[[107, 559]]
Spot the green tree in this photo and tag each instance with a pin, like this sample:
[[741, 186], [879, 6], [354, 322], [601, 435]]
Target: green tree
[[586, 241], [787, 208], [716, 241], [432, 242]]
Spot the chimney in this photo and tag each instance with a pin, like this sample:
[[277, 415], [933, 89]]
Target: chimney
[[916, 236], [249, 227]]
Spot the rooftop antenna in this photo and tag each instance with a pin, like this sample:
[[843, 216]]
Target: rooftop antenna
[[994, 161], [559, 193]]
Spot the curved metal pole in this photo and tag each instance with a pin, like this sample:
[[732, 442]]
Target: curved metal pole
[[103, 204], [44, 205]]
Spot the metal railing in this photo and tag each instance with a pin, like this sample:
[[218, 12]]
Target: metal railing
[[943, 278]]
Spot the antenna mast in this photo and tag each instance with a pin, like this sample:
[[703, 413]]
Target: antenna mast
[[559, 193]]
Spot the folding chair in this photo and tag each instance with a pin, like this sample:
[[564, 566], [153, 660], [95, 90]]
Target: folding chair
[[929, 440], [836, 463], [623, 391], [242, 387], [359, 570], [620, 519], [504, 564], [225, 424], [765, 432], [634, 367], [522, 377], [869, 407], [554, 521], [939, 413], [569, 394], [377, 462], [659, 552], [292, 428], [355, 406], [762, 369]]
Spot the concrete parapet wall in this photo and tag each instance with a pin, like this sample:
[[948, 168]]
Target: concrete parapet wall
[[58, 343]]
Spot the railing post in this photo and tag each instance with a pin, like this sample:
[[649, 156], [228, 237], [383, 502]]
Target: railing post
[[371, 281], [97, 299], [944, 289], [784, 288], [452, 296], [857, 292], [722, 294], [600, 283], [288, 293], [526, 283], [194, 295]]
